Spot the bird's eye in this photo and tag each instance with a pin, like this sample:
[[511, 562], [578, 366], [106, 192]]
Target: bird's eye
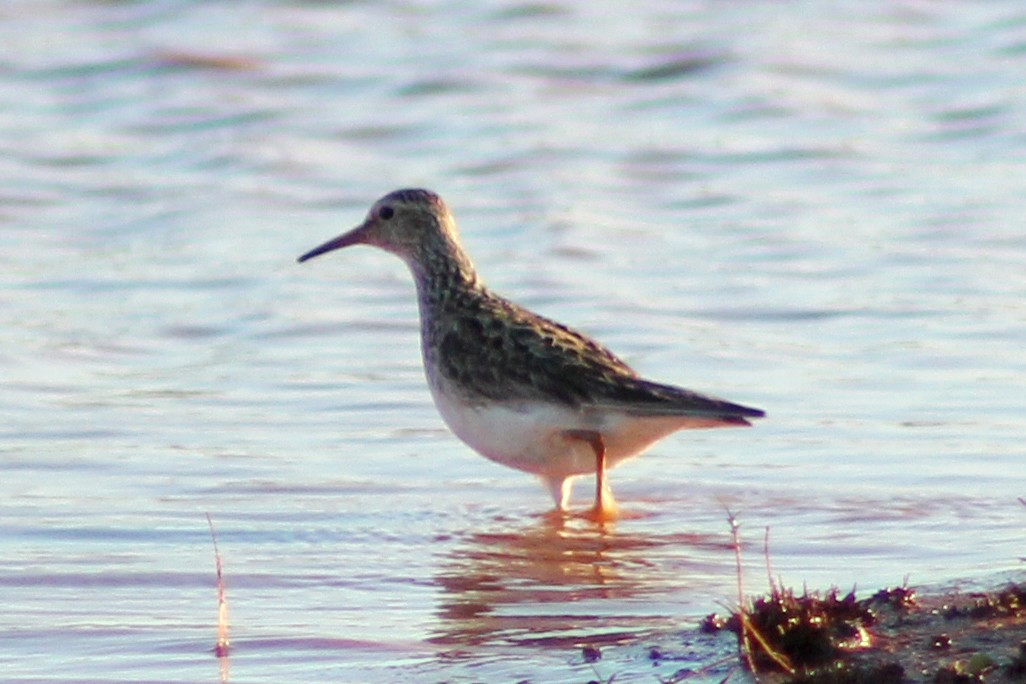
[[386, 212]]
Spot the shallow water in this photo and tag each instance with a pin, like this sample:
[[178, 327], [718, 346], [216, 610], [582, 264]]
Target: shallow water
[[811, 209]]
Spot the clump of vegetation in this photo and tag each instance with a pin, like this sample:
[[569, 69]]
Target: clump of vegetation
[[794, 633], [1009, 602], [807, 630], [888, 638]]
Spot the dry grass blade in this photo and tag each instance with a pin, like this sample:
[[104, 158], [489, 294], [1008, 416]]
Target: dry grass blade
[[221, 646], [747, 630]]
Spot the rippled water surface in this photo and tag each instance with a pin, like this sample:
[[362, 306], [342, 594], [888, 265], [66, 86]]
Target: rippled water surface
[[814, 208]]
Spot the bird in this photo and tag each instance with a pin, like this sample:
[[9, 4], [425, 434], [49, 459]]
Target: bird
[[521, 389]]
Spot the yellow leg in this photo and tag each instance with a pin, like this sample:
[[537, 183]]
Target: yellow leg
[[605, 508], [560, 488]]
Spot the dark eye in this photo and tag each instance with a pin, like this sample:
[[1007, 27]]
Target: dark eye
[[386, 212]]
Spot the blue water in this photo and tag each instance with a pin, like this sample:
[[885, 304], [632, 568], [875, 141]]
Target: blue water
[[811, 208]]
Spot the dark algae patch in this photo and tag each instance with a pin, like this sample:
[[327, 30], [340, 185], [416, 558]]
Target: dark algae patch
[[892, 637]]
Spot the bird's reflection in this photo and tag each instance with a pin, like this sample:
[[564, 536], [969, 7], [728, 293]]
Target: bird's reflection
[[559, 583]]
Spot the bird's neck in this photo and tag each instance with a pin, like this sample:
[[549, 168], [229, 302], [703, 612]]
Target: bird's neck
[[444, 278]]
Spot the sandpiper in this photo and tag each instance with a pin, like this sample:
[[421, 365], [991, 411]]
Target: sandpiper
[[518, 388]]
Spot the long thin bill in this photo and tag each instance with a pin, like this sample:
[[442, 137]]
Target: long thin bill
[[353, 237]]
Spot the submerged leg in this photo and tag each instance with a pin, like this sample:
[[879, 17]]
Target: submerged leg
[[605, 505], [560, 489]]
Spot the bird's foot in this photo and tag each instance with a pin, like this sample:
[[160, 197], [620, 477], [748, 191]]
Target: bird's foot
[[605, 509]]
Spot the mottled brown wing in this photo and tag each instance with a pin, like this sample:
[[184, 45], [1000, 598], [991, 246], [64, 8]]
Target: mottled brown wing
[[500, 351]]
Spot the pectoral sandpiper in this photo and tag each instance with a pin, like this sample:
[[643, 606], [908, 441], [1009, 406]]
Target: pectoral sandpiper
[[520, 389]]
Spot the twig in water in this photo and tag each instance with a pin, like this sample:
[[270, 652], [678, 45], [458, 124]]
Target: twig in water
[[221, 647], [769, 565], [746, 627], [743, 643]]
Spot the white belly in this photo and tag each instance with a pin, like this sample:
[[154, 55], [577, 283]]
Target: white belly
[[531, 436]]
